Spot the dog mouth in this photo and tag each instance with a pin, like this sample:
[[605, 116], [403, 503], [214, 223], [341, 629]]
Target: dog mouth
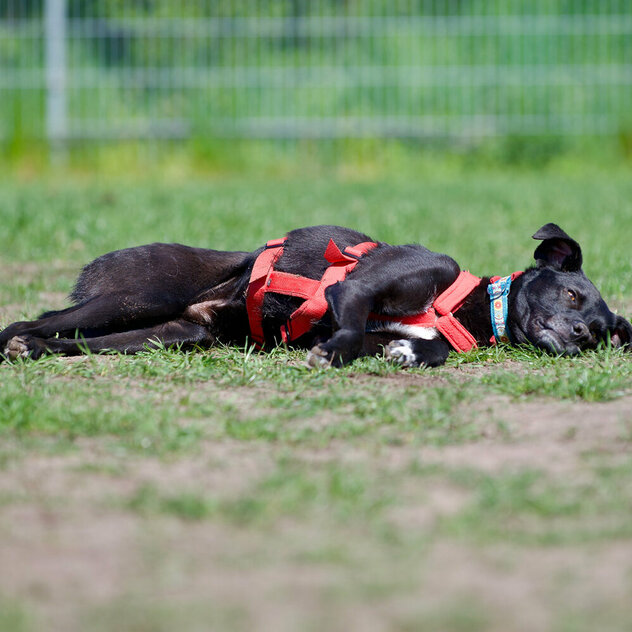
[[553, 341]]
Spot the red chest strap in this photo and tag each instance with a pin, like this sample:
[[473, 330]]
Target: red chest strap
[[441, 314], [259, 276], [448, 303], [264, 278]]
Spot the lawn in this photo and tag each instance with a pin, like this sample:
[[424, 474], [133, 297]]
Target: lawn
[[229, 490]]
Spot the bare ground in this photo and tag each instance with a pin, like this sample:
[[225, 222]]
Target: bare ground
[[74, 556]]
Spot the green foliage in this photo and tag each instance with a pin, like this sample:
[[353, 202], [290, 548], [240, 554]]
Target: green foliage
[[450, 69]]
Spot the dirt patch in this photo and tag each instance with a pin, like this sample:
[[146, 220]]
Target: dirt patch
[[427, 378], [440, 500], [531, 590], [92, 475], [77, 553], [60, 553], [71, 543], [541, 434], [546, 435]]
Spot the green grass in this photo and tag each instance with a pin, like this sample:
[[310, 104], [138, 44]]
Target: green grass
[[13, 617], [534, 509], [354, 492], [484, 221]]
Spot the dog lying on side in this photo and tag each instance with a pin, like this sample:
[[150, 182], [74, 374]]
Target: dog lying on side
[[396, 300]]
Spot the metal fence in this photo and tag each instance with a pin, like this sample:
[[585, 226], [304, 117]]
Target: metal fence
[[463, 69]]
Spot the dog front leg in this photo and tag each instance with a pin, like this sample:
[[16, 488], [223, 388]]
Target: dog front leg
[[406, 352], [350, 303], [417, 352]]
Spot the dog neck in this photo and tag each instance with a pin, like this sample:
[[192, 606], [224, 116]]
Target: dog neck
[[475, 313]]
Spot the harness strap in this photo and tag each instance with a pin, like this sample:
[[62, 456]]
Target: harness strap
[[291, 284], [315, 307], [455, 333], [257, 287], [265, 279], [441, 314], [449, 301], [513, 276]]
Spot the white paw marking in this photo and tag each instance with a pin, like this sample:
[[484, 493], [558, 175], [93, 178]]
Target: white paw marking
[[16, 348], [400, 352], [317, 358]]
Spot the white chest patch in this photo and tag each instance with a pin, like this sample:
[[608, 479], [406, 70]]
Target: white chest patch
[[410, 331]]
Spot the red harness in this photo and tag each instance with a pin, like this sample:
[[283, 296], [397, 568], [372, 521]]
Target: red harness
[[264, 278]]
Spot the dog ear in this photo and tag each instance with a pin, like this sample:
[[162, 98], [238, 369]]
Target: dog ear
[[622, 334], [557, 249]]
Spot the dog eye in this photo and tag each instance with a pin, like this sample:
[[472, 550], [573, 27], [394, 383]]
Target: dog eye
[[572, 295]]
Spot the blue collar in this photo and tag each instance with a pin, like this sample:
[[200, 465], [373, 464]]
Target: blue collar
[[499, 294]]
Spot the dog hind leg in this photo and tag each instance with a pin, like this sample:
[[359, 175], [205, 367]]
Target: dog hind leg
[[176, 332], [109, 313]]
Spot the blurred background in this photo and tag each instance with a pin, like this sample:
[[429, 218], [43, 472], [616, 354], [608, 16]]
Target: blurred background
[[234, 85]]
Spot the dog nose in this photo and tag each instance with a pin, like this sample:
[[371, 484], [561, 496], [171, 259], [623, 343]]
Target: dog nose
[[581, 331]]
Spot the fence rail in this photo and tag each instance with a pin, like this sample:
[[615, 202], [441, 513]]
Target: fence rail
[[464, 69]]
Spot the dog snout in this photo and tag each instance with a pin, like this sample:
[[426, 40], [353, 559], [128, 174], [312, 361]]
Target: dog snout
[[581, 332]]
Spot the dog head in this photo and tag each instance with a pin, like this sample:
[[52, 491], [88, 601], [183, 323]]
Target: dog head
[[555, 306]]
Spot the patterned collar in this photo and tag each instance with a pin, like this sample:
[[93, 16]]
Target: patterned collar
[[498, 290]]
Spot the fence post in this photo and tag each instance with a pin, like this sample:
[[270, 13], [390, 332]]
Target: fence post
[[56, 104]]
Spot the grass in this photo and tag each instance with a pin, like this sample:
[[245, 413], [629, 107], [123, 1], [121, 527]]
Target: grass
[[171, 486]]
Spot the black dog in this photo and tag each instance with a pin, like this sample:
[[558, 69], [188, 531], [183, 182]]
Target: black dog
[[382, 299]]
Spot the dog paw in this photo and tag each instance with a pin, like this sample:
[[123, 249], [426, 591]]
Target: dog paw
[[318, 358], [17, 347], [401, 352], [25, 347]]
